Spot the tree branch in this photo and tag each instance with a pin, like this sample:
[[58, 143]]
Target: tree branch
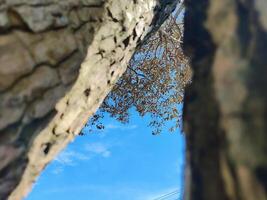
[[138, 74]]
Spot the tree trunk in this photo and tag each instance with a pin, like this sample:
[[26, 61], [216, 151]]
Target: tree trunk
[[225, 110], [65, 53]]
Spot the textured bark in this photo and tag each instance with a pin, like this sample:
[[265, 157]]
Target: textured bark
[[225, 110], [65, 53]]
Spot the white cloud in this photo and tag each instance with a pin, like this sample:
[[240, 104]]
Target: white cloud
[[125, 127], [57, 170], [98, 149], [179, 166], [69, 157]]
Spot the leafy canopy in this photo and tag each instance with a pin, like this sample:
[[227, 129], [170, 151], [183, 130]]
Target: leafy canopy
[[153, 83]]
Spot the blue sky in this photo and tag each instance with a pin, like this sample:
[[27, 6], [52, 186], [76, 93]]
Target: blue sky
[[121, 162]]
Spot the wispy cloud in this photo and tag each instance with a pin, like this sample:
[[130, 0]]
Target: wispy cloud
[[69, 157], [179, 165], [98, 149], [121, 127], [57, 170], [72, 157], [111, 127]]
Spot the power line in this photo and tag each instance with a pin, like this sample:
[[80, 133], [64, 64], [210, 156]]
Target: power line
[[165, 196]]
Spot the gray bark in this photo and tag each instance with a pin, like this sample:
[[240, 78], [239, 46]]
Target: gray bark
[[225, 110], [59, 59]]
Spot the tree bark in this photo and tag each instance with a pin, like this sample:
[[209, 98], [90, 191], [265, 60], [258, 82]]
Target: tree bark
[[225, 110], [65, 53]]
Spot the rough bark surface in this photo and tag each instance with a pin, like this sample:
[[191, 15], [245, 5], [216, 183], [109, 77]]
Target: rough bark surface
[[226, 106], [65, 53]]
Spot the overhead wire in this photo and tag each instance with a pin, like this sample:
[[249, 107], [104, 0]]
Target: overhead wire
[[168, 195]]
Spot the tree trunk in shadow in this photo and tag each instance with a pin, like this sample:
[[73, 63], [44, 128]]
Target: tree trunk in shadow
[[225, 110], [59, 59]]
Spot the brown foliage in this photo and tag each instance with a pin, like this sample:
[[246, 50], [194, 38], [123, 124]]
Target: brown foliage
[[154, 81]]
